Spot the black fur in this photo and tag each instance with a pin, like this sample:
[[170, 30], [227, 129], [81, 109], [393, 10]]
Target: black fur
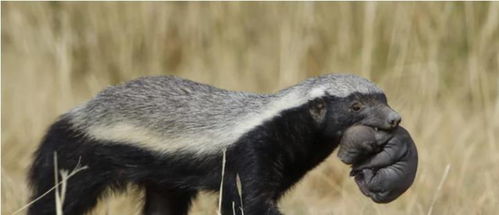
[[269, 160]]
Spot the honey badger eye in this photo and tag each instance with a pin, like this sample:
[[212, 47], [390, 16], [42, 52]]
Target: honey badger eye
[[356, 106]]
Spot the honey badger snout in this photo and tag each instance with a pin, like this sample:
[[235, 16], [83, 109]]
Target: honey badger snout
[[381, 116], [393, 119]]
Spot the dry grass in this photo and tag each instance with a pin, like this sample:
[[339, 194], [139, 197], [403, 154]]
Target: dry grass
[[438, 63]]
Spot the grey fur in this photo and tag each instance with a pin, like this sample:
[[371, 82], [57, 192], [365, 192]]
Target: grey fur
[[169, 114]]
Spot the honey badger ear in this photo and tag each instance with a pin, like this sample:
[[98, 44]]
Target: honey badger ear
[[317, 108]]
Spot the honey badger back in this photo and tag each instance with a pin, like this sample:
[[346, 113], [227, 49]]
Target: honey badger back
[[167, 135]]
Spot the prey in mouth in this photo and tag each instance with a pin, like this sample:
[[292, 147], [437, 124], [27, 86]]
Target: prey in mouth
[[384, 163]]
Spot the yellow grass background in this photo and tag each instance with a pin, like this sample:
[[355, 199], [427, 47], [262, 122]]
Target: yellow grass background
[[438, 63]]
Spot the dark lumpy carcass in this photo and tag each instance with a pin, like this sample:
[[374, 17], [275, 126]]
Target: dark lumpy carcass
[[383, 168], [356, 143]]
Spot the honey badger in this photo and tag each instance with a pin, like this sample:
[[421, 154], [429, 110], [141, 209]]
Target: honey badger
[[168, 135]]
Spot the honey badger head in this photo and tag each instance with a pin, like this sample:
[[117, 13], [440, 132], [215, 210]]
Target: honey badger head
[[347, 100], [382, 153]]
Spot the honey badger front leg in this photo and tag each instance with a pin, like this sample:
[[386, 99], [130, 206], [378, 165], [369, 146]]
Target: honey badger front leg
[[249, 186], [256, 198]]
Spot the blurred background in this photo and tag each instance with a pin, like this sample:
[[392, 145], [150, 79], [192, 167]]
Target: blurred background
[[437, 62]]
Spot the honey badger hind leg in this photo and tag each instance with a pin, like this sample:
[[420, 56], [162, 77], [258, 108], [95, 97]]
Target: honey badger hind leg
[[80, 196], [84, 188]]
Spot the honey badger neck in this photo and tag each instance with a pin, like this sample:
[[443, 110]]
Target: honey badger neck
[[286, 147]]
